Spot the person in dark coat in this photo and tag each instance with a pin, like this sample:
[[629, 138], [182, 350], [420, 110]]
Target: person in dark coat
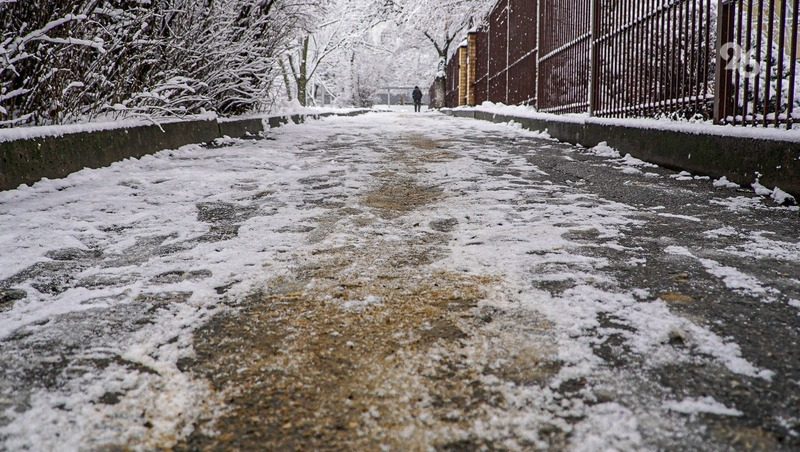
[[417, 96]]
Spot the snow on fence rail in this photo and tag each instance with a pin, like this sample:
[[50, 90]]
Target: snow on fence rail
[[733, 61]]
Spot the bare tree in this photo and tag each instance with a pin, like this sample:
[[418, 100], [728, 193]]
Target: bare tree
[[341, 28], [441, 23]]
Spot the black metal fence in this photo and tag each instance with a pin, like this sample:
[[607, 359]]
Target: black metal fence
[[758, 65], [507, 53], [564, 46], [733, 61], [654, 58]]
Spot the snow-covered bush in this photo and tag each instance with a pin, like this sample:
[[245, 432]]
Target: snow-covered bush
[[76, 59]]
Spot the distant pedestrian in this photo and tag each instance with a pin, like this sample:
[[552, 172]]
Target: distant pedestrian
[[417, 95]]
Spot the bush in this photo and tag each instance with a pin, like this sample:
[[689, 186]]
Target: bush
[[75, 60]]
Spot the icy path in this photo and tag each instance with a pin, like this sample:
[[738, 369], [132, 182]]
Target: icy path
[[398, 280]]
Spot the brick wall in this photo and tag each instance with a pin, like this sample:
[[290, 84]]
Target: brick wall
[[462, 75], [472, 69]]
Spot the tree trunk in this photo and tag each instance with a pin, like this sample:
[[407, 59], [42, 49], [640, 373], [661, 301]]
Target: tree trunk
[[302, 85], [286, 80], [302, 77], [439, 89]]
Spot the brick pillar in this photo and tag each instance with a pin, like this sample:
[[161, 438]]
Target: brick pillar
[[472, 69], [462, 76]]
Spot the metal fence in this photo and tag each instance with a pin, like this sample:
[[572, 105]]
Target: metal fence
[[564, 44], [658, 59], [758, 65], [733, 61], [506, 53]]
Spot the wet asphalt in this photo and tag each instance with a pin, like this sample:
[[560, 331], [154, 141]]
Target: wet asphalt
[[767, 331]]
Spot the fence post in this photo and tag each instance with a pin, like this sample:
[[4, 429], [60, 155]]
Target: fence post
[[489, 61], [538, 52], [594, 59], [723, 78], [508, 43]]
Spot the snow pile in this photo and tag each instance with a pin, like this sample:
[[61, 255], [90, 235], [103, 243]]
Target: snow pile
[[627, 164], [604, 150], [760, 189], [633, 161], [776, 194], [723, 182], [782, 198], [532, 133], [683, 176]]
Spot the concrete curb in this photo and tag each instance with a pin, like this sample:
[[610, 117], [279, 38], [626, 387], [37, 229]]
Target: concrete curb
[[28, 160], [739, 159]]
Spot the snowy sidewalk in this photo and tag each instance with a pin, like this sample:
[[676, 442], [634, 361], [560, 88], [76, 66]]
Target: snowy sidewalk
[[401, 281]]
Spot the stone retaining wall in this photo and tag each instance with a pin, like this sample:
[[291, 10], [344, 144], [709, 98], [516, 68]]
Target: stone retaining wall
[[25, 161], [740, 159]]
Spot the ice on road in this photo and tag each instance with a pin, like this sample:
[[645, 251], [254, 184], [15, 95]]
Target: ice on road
[[401, 281]]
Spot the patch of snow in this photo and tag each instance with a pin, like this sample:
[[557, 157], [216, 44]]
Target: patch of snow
[[705, 405], [725, 231], [360, 305], [731, 277], [629, 170], [633, 161], [744, 203], [739, 203], [609, 426], [636, 261], [757, 246], [681, 217], [59, 420]]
